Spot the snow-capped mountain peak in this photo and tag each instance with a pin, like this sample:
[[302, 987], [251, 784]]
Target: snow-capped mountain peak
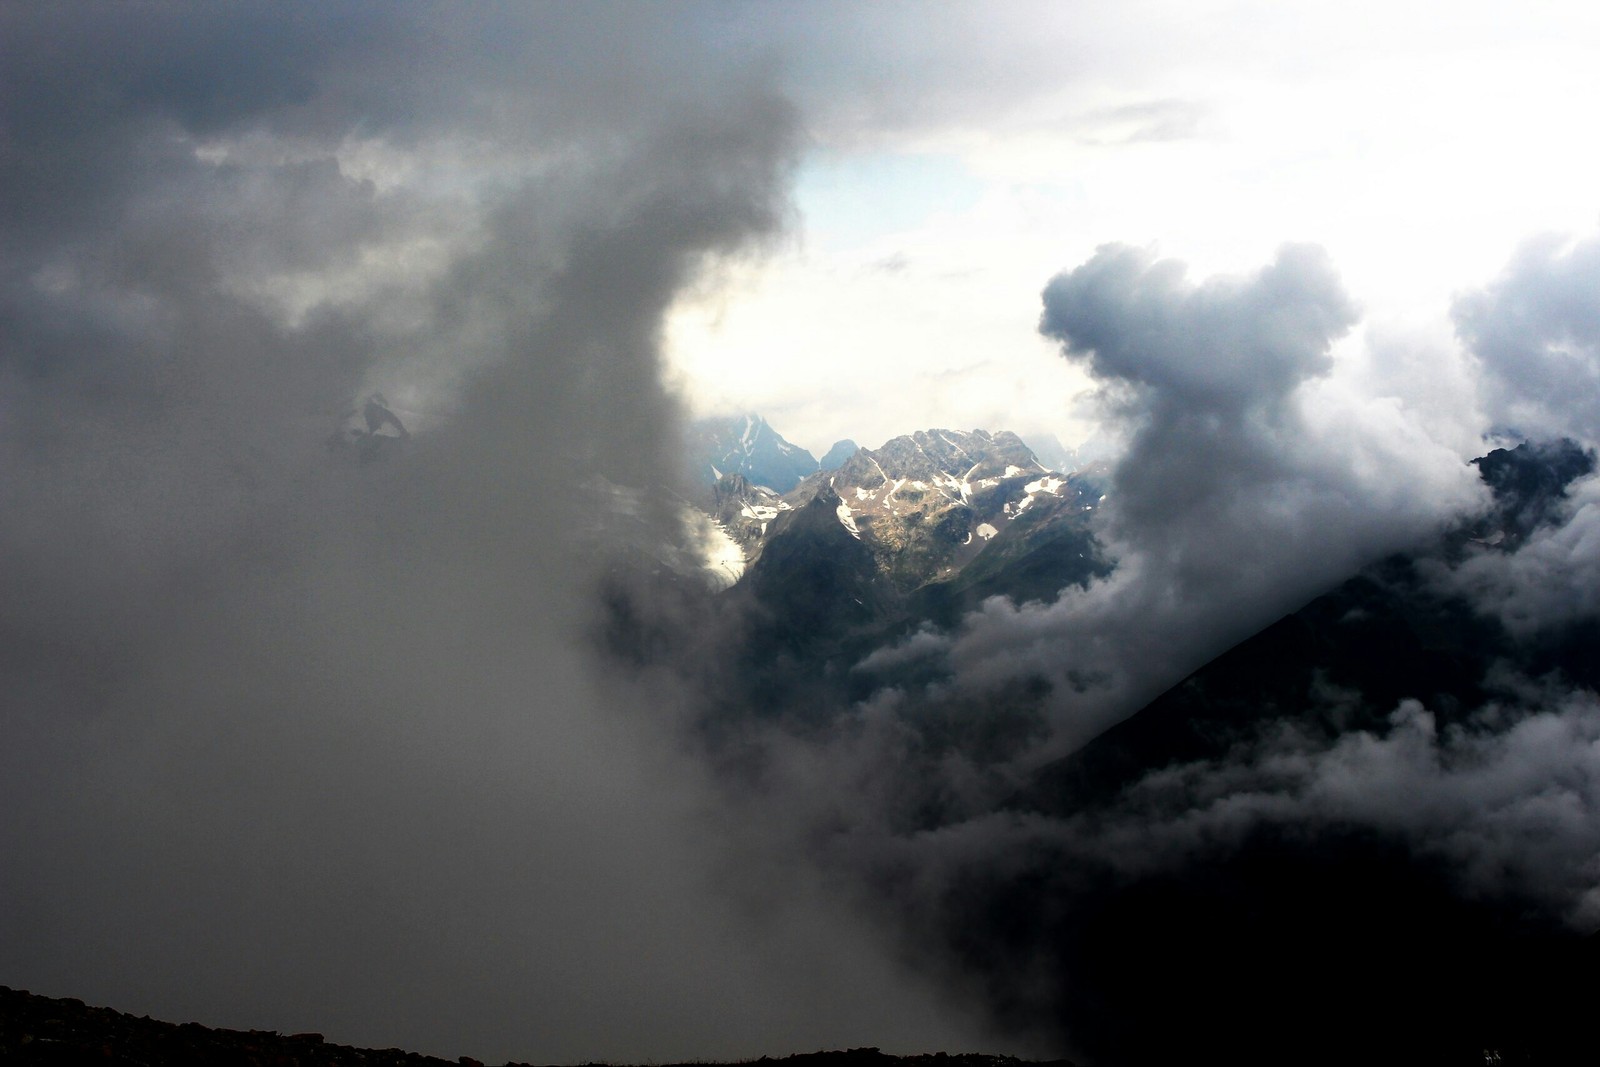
[[747, 445]]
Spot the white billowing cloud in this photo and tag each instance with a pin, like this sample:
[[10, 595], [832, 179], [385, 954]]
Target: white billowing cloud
[[1257, 473], [1533, 337]]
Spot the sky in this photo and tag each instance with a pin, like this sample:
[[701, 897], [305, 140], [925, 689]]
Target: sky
[[952, 167], [297, 741]]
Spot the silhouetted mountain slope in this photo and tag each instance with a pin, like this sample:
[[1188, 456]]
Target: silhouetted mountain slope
[[747, 445], [814, 580], [836, 456], [1385, 635], [37, 1030], [1344, 661], [1189, 872]]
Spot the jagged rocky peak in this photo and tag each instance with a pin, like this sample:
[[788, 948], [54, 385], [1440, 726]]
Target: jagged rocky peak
[[747, 445], [929, 503], [1528, 483], [972, 454], [839, 454], [732, 486], [820, 512], [861, 469]]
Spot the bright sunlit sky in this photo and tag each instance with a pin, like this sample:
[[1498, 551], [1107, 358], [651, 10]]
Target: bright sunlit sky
[[959, 159]]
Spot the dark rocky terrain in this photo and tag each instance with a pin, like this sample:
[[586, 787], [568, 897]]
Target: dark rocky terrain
[[47, 1030]]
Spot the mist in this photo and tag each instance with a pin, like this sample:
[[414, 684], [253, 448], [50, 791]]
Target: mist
[[304, 737], [312, 728]]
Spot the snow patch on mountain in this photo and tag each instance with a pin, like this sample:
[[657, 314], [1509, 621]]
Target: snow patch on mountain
[[847, 520]]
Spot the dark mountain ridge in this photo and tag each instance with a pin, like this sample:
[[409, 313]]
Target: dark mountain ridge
[[1280, 934], [36, 1030], [1388, 634], [918, 531]]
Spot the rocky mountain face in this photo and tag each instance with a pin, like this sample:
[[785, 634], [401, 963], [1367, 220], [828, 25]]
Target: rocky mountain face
[[836, 456], [920, 530], [746, 510], [928, 503], [928, 506], [746, 445]]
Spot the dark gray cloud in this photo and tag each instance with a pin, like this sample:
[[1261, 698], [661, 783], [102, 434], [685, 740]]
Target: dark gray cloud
[[1226, 344], [1205, 376], [1536, 334], [293, 741]]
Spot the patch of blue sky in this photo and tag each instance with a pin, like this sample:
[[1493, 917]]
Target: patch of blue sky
[[847, 201]]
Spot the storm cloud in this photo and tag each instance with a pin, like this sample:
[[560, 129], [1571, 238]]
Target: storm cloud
[[298, 741]]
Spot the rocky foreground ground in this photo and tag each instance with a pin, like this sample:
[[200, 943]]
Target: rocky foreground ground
[[44, 1030]]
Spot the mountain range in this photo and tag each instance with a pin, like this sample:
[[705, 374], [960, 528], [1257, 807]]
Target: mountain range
[[746, 445], [917, 531], [1205, 862]]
